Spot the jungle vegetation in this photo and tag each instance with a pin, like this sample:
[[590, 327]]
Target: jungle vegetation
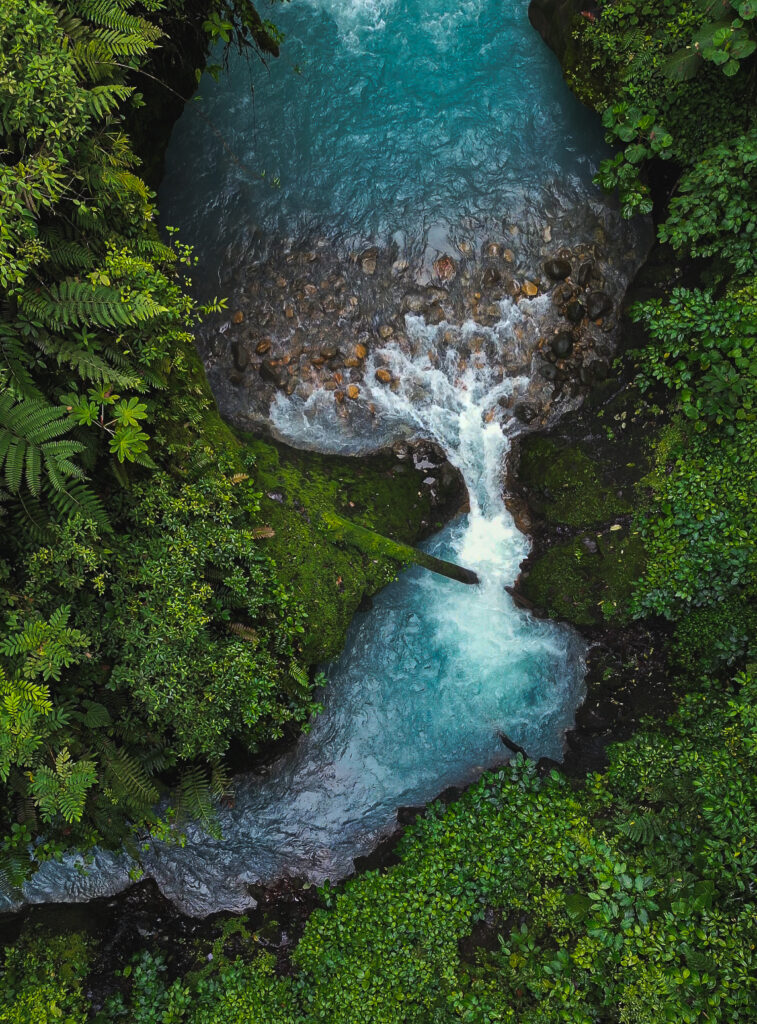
[[625, 897]]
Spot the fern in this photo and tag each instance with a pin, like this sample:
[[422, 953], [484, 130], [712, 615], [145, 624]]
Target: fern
[[104, 99], [79, 499], [89, 365], [14, 353], [65, 253], [29, 438], [194, 800], [643, 829], [244, 632], [62, 789], [76, 303], [127, 778]]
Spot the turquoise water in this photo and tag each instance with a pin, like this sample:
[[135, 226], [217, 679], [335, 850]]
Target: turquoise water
[[426, 124], [416, 120]]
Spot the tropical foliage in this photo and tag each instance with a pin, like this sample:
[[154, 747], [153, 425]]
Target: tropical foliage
[[626, 897], [143, 628]]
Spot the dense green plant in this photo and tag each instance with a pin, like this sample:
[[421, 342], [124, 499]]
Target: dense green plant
[[724, 42], [42, 980], [705, 352], [628, 897], [142, 628], [714, 212]]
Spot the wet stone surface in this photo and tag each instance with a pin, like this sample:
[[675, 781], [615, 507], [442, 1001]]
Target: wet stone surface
[[312, 317]]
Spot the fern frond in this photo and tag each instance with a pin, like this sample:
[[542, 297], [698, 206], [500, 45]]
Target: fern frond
[[194, 800], [29, 435], [88, 364], [243, 632], [65, 253], [81, 304]]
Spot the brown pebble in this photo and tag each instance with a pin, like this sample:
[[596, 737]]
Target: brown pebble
[[530, 289], [263, 346], [339, 396], [361, 351], [383, 375], [353, 391], [351, 362], [386, 331], [238, 317]]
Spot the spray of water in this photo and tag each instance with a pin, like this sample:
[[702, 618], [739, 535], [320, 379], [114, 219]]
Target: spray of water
[[428, 678]]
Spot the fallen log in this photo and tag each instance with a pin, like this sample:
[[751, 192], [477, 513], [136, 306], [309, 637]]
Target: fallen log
[[372, 543]]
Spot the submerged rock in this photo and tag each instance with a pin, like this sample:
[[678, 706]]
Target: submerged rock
[[598, 304], [558, 269], [562, 343]]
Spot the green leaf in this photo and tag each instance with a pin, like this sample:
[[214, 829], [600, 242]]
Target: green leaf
[[683, 65], [636, 153], [743, 48]]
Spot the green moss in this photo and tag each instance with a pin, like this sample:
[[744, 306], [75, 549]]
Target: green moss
[[331, 573], [327, 573], [587, 588], [568, 485]]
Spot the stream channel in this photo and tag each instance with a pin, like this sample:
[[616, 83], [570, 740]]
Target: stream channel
[[398, 148]]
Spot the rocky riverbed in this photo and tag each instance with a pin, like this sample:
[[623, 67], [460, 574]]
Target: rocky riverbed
[[313, 318]]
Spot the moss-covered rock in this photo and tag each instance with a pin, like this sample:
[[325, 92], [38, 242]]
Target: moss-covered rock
[[568, 486], [583, 484], [303, 494], [329, 569], [586, 580]]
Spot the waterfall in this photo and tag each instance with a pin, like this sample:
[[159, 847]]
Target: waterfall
[[421, 132], [428, 678]]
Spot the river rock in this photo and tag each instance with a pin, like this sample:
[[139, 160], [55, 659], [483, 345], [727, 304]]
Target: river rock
[[238, 317], [385, 331], [598, 304], [274, 374], [562, 344], [360, 351], [574, 311], [445, 268], [368, 260], [526, 412], [263, 346], [240, 355], [558, 269], [563, 293], [435, 314], [490, 277], [353, 391], [585, 272], [329, 352], [383, 375], [529, 289], [414, 303], [549, 372]]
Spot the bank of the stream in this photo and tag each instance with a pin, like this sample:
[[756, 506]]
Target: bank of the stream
[[622, 896]]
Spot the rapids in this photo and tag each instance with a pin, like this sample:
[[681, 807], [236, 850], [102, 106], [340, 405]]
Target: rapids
[[415, 124]]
